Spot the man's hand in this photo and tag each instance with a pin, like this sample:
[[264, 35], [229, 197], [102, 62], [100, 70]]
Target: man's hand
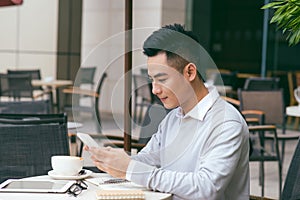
[[111, 160]]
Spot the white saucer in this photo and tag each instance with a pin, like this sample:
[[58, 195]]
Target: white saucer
[[52, 174]]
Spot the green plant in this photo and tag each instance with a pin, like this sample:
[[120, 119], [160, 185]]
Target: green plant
[[287, 18]]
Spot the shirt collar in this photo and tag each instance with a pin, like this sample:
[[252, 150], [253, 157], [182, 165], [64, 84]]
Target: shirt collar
[[202, 107]]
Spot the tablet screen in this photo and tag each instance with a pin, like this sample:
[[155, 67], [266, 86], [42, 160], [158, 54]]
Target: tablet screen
[[35, 186]]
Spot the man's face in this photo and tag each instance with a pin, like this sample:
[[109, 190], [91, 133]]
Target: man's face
[[168, 84]]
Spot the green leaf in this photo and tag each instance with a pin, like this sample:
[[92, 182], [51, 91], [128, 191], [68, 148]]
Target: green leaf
[[272, 4], [287, 18]]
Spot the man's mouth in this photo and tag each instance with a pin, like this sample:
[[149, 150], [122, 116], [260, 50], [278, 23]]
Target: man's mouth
[[163, 98]]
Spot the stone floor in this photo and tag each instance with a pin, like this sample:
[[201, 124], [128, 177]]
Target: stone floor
[[271, 170]]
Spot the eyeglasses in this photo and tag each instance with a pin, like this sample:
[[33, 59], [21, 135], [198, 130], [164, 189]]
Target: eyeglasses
[[77, 188]]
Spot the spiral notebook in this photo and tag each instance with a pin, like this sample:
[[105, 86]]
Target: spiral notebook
[[120, 194], [115, 188]]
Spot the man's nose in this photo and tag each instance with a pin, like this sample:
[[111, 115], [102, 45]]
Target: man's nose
[[156, 88]]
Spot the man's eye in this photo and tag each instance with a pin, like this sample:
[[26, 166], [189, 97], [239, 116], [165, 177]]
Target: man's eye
[[162, 80]]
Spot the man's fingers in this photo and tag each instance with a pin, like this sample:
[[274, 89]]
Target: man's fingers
[[100, 166], [86, 148], [102, 153]]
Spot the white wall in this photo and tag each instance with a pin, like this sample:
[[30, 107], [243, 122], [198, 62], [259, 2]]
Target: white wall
[[173, 11], [28, 36], [103, 39]]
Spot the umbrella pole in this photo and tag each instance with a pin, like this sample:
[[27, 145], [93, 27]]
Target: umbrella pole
[[128, 75]]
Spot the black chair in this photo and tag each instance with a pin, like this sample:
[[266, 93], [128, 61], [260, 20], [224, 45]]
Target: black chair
[[35, 74], [258, 151], [77, 92], [18, 86], [261, 153], [26, 107], [27, 143], [271, 102], [4, 86], [142, 96], [262, 83], [86, 76]]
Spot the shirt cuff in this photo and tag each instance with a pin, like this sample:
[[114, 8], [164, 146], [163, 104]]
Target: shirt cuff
[[139, 172]]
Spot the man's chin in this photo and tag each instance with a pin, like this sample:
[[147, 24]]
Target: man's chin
[[168, 106]]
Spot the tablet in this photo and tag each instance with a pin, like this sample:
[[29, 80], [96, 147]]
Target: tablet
[[87, 140], [35, 186]]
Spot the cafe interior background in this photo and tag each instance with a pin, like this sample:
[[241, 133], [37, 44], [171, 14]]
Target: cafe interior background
[[59, 36], [56, 36]]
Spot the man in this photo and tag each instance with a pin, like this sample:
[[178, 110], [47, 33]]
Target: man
[[200, 150]]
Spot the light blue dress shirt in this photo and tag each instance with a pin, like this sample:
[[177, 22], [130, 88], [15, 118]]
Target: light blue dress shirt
[[201, 155]]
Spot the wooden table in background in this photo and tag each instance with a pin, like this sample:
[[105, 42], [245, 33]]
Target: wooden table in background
[[53, 85]]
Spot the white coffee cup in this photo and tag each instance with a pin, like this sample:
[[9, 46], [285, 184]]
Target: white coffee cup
[[66, 165]]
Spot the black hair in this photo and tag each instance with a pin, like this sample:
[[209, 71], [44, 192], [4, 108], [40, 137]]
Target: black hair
[[180, 46]]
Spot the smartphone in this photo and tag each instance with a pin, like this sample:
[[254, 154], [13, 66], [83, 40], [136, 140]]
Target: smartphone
[[35, 186], [87, 140]]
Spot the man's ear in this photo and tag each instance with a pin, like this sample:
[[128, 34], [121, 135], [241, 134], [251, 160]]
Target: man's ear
[[190, 71]]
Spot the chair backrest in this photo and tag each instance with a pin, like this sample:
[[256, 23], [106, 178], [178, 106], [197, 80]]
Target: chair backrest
[[26, 107], [291, 188], [27, 143], [271, 102], [4, 87], [262, 83], [34, 73], [154, 115], [17, 85], [85, 75], [142, 87], [99, 87]]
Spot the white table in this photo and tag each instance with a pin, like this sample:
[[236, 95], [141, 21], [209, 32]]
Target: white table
[[293, 111], [89, 194]]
